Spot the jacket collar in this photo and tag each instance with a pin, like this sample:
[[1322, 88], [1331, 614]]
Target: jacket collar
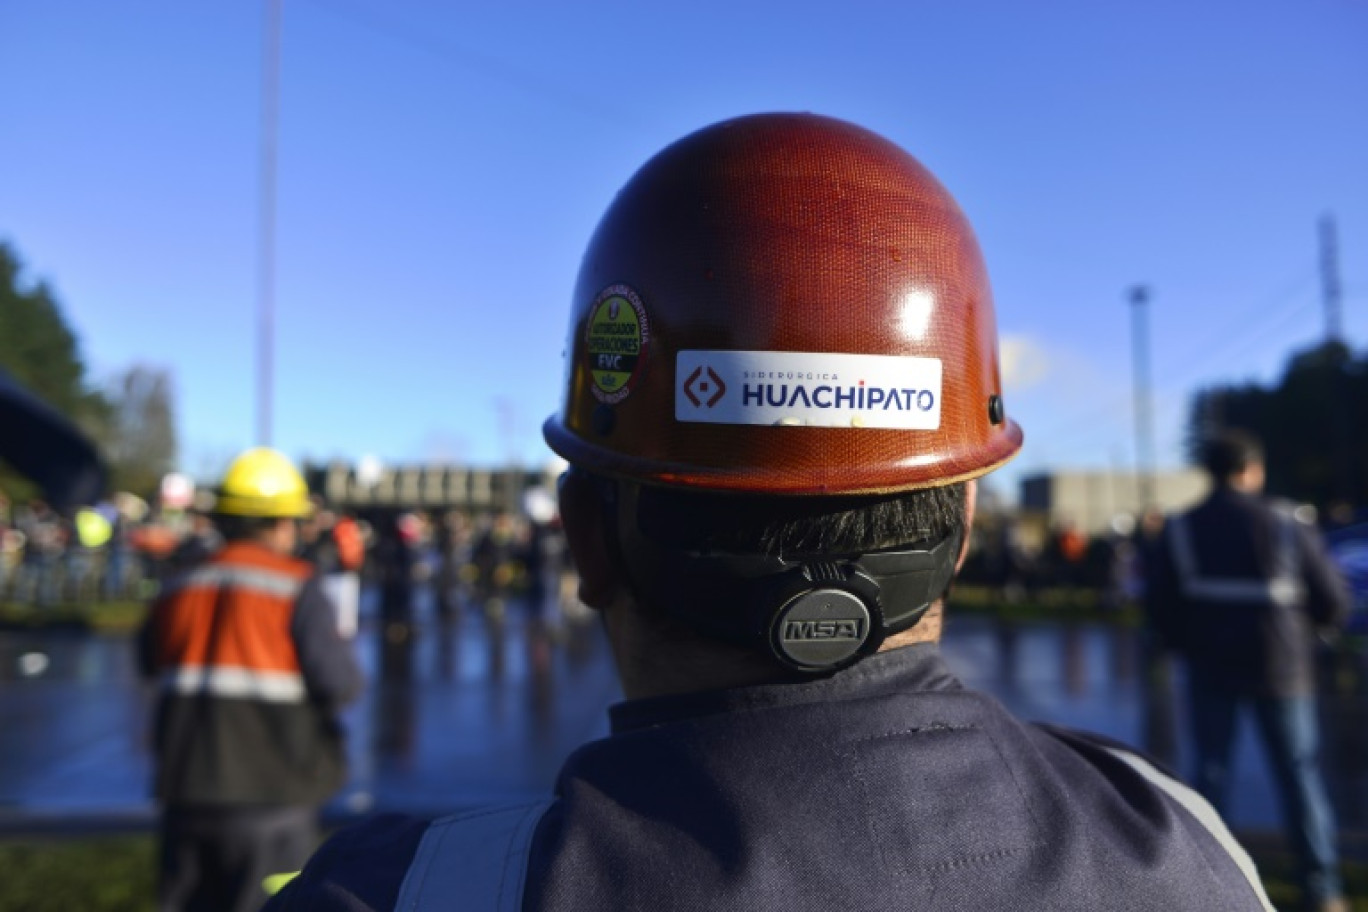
[[911, 668]]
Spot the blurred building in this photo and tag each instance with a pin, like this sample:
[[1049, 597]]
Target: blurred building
[[1092, 500], [427, 487]]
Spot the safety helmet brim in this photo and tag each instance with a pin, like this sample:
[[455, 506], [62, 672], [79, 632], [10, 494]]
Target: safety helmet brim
[[261, 507], [906, 467]]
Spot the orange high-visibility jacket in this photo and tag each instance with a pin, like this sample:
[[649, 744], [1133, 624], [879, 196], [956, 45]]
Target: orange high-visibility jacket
[[251, 671], [351, 547]]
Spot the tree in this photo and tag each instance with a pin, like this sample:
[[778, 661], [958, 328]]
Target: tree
[[1313, 424], [40, 351], [141, 440]]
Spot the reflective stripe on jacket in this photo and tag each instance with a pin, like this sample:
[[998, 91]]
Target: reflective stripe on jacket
[[223, 629], [1281, 588]]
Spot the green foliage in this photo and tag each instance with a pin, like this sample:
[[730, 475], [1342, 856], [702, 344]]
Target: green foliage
[[1070, 604], [114, 874], [132, 421], [109, 617], [1313, 424], [118, 874], [40, 350], [1278, 870]]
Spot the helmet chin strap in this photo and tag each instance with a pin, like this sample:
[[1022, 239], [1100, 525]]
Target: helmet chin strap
[[811, 614]]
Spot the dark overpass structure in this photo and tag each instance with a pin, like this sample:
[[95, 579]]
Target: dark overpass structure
[[427, 487]]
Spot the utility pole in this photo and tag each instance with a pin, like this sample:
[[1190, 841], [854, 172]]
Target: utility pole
[[1330, 280], [1139, 295], [270, 110], [1343, 441], [1159, 722], [508, 431]]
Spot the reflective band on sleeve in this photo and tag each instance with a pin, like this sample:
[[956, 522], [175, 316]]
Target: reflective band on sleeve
[[1204, 814], [244, 683], [223, 576], [476, 860], [1283, 590]]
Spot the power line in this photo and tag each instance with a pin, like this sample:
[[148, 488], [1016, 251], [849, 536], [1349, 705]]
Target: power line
[[1202, 355], [1246, 343], [483, 64], [1288, 291], [1197, 358]]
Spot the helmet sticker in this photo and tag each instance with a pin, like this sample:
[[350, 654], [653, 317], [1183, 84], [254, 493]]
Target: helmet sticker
[[808, 389], [616, 336]]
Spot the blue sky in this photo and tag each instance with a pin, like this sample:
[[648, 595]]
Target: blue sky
[[441, 167]]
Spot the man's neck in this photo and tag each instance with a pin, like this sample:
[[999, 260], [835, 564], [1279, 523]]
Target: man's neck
[[927, 630]]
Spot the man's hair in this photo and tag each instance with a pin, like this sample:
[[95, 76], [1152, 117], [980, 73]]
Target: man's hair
[[793, 525], [1229, 452], [243, 528]]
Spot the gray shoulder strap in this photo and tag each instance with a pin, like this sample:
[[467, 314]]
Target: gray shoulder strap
[[475, 861], [1204, 813]]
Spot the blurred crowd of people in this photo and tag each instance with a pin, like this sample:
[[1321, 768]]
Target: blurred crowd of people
[[478, 561], [124, 549], [1020, 561], [1019, 564], [116, 549]]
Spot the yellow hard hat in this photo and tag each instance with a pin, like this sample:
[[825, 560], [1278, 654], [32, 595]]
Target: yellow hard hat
[[263, 482], [92, 529]]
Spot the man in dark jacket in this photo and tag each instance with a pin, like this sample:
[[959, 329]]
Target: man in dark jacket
[[1240, 587], [782, 383], [251, 670]]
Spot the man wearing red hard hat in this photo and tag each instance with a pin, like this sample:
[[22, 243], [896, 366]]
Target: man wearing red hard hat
[[782, 383]]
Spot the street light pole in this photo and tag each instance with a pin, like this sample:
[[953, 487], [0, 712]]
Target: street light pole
[[1144, 418], [1159, 722], [270, 103]]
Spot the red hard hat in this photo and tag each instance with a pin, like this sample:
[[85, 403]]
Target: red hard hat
[[784, 304]]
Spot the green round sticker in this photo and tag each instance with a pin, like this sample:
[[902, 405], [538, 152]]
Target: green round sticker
[[615, 342]]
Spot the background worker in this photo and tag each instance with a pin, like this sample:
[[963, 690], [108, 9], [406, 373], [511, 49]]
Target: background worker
[[1240, 588], [251, 670], [335, 546], [783, 380]]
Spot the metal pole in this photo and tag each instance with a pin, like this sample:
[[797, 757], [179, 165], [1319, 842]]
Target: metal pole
[[1330, 281], [1144, 419], [508, 430], [1343, 441], [1159, 721], [270, 105]]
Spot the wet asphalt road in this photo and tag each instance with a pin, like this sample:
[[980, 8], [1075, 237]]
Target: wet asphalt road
[[482, 709]]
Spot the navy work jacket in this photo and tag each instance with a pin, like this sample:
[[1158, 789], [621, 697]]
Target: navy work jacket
[[1239, 587], [885, 786]]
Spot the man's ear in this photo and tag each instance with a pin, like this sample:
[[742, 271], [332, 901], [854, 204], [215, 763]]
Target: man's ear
[[970, 502], [586, 534]]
